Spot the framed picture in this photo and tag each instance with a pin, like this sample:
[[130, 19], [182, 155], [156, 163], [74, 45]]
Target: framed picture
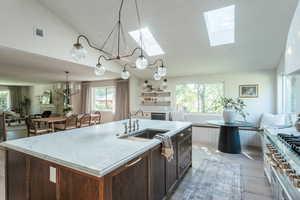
[[249, 91]]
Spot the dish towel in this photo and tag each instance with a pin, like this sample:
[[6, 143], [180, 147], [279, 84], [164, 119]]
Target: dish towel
[[167, 146]]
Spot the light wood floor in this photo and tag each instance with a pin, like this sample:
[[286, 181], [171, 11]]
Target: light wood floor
[[255, 184]]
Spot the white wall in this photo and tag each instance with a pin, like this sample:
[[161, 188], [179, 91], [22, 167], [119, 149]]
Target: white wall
[[292, 60], [36, 91], [266, 102], [18, 23]]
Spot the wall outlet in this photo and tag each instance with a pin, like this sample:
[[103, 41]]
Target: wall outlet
[[52, 176]]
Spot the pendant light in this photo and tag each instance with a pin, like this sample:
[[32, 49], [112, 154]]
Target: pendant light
[[125, 74], [78, 52], [156, 76], [99, 69], [162, 70], [141, 62]]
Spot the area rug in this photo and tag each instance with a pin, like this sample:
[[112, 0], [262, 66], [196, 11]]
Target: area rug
[[214, 179]]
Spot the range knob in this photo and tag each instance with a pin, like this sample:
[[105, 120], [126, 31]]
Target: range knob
[[273, 163], [297, 183], [278, 157], [285, 165], [269, 155], [290, 172], [293, 177]]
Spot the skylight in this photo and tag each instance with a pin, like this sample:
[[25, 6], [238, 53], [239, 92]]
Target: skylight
[[220, 24], [150, 45]]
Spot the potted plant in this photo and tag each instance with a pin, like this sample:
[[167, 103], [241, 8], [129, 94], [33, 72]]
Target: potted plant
[[68, 110], [232, 107]]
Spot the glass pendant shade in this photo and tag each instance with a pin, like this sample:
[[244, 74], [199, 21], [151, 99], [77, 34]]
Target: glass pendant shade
[[78, 52], [164, 82], [125, 74], [156, 76], [99, 70], [162, 71], [141, 62]]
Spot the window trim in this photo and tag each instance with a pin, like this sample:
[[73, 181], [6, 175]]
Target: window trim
[[199, 83], [94, 97]]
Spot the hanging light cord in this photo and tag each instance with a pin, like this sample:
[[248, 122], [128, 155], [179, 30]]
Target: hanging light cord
[[140, 24]]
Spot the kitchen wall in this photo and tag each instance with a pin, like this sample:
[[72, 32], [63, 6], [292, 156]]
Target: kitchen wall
[[266, 102]]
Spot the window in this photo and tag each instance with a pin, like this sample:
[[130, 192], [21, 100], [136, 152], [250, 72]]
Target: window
[[103, 98], [4, 100], [195, 97], [150, 45], [220, 25], [291, 86]]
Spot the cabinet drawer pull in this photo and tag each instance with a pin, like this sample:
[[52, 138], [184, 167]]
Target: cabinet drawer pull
[[133, 163]]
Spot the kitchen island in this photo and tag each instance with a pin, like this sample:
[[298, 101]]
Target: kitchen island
[[95, 163]]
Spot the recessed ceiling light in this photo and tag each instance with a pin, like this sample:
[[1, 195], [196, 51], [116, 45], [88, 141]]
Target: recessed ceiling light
[[220, 24], [150, 45]]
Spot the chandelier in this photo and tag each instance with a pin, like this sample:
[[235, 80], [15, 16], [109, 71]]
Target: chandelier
[[67, 89], [79, 53]]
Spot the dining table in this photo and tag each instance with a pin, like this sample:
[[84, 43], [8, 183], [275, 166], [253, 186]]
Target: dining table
[[50, 120]]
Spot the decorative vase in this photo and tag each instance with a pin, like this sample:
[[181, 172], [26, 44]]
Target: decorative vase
[[229, 115]]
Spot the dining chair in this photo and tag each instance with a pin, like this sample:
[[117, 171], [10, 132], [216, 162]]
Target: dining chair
[[96, 118], [3, 134], [84, 121], [35, 129], [68, 124]]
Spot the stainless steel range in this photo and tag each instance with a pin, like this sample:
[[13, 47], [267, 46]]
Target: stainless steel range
[[282, 164]]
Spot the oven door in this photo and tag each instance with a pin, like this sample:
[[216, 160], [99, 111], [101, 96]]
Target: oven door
[[158, 116]]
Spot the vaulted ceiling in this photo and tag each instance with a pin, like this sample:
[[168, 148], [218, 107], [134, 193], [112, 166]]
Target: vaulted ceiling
[[179, 27]]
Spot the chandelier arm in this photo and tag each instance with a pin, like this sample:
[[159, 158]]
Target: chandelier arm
[[105, 58], [156, 61], [90, 45], [128, 64], [132, 53]]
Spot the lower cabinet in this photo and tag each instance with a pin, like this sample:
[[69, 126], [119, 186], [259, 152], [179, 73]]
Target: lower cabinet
[[131, 181], [157, 174]]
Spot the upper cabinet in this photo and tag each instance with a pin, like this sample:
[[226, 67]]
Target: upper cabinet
[[292, 54]]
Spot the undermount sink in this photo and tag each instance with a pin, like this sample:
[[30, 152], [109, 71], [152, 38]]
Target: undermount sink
[[147, 133]]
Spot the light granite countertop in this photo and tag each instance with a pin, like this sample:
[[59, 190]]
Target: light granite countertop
[[95, 150]]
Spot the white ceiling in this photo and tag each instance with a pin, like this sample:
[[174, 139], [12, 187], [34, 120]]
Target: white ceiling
[[19, 67], [179, 27]]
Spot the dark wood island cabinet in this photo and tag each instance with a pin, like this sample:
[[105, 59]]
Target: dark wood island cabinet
[[147, 177]]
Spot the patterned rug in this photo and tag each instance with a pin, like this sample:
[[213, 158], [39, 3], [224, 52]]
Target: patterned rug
[[214, 179]]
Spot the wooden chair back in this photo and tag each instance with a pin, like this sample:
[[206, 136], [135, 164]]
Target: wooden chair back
[[85, 120], [72, 121], [97, 119], [31, 128], [3, 134]]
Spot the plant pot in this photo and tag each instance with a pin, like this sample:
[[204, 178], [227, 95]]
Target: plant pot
[[229, 116]]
